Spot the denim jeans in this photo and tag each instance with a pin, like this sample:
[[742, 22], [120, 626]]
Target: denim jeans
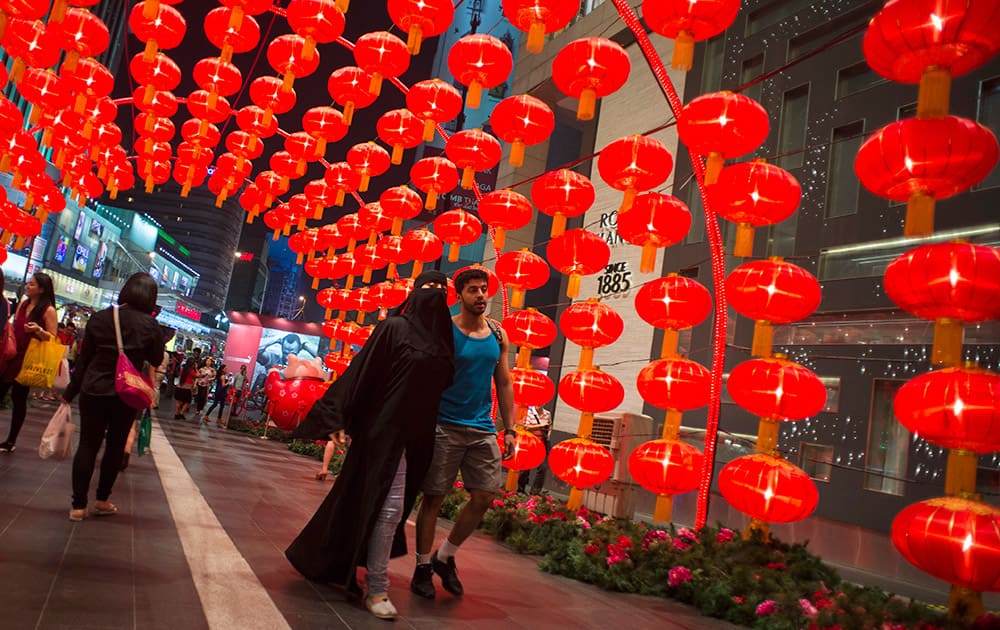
[[380, 543]]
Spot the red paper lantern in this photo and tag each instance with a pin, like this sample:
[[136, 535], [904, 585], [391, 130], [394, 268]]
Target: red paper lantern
[[591, 324], [921, 161], [581, 462], [633, 164], [538, 17], [654, 221], [256, 121], [676, 383], [953, 539], [504, 210], [163, 31], [956, 407], [434, 102], [666, 467], [722, 125], [522, 120], [768, 488], [29, 43], [341, 177], [473, 150], [314, 21], [578, 253], [531, 387], [562, 194], [754, 194], [269, 94], [82, 34], [303, 148], [348, 86], [435, 176], [950, 283], [350, 226], [289, 55], [336, 362], [390, 247], [383, 56], [421, 246], [591, 390], [529, 451], [326, 124], [777, 388], [402, 204], [368, 160], [771, 292], [400, 129], [522, 271], [688, 22], [928, 42], [232, 31], [479, 61], [215, 76], [529, 329], [457, 228], [421, 19], [588, 69]]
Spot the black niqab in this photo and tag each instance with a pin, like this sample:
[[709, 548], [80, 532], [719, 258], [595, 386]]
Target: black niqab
[[430, 323]]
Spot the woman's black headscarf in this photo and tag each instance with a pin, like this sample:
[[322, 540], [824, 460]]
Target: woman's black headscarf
[[427, 312]]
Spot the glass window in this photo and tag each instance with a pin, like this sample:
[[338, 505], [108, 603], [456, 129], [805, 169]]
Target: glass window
[[988, 481], [856, 78], [866, 260], [886, 329], [989, 116], [792, 130], [831, 29], [888, 442], [773, 13], [906, 111], [750, 69], [711, 74], [816, 460], [842, 184]]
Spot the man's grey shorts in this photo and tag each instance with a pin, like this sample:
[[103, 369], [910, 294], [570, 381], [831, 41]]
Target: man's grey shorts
[[473, 451]]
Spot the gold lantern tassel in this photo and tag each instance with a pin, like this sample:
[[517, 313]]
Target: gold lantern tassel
[[934, 93], [348, 113], [428, 130], [149, 53], [767, 436], [669, 347], [763, 339], [517, 298], [919, 214], [965, 605], [573, 286], [683, 51], [588, 104], [536, 37], [474, 96], [375, 85], [499, 238], [558, 225], [468, 178], [363, 186], [150, 8], [453, 252], [517, 154], [413, 39], [342, 5], [960, 473], [648, 261], [744, 240], [947, 349], [309, 49], [397, 154], [627, 200], [664, 508], [418, 267], [431, 202], [713, 166]]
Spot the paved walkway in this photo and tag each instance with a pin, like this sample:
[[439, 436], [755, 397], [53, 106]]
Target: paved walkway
[[198, 543]]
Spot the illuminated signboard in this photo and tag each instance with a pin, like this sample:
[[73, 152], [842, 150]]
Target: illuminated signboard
[[187, 311]]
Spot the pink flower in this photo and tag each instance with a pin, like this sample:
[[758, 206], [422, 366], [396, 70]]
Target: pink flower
[[807, 608], [777, 566], [591, 550], [653, 537], [680, 545], [616, 554], [766, 607], [624, 542], [724, 535], [678, 576], [459, 484], [739, 599], [583, 523], [687, 534], [497, 503]]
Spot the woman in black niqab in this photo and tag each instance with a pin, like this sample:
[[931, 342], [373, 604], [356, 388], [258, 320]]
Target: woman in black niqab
[[387, 401]]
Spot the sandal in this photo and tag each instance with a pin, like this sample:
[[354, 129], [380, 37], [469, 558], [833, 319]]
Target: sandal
[[104, 508], [78, 515]]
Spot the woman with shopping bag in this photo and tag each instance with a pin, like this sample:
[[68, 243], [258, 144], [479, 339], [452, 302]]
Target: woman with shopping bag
[[116, 340], [34, 327]]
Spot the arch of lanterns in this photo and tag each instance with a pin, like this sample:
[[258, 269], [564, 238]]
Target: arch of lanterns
[[918, 160]]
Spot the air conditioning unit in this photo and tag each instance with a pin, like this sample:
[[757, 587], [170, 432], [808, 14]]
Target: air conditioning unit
[[620, 433]]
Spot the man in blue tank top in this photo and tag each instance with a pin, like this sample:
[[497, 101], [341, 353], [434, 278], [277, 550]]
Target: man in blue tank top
[[466, 435]]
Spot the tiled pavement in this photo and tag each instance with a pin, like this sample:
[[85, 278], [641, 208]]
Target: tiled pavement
[[235, 502]]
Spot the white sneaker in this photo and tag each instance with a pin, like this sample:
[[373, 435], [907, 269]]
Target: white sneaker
[[383, 608]]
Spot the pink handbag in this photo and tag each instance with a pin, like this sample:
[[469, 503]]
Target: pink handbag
[[133, 388]]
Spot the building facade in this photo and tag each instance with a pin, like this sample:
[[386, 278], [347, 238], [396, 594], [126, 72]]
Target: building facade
[[804, 63]]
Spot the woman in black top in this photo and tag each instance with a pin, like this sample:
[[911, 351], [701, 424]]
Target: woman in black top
[[101, 410]]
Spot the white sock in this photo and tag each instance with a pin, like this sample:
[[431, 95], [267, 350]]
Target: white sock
[[447, 550], [423, 558]]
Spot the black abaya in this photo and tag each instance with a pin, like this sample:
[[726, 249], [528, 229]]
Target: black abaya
[[387, 401]]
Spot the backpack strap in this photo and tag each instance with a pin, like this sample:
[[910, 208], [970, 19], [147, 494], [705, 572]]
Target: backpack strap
[[495, 327]]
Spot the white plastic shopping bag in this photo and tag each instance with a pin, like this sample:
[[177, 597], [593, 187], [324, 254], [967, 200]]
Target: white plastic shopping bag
[[62, 376], [57, 441]]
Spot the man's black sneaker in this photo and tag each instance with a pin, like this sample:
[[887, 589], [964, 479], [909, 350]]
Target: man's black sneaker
[[448, 574], [7, 447], [422, 583]]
